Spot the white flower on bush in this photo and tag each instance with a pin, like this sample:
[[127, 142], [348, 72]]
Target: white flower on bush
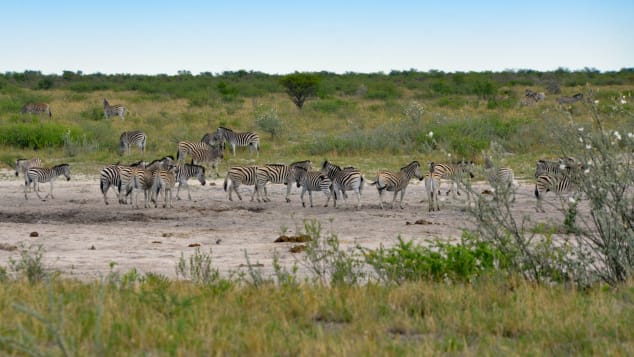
[[430, 134], [596, 101], [562, 166], [617, 135], [580, 128], [588, 146], [572, 200], [586, 171], [630, 135], [623, 101]]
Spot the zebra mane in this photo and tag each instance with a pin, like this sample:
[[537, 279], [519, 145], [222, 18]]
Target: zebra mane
[[226, 129], [410, 164], [277, 165], [60, 165], [326, 162]]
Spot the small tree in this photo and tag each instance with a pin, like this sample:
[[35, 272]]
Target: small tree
[[300, 86], [268, 120]]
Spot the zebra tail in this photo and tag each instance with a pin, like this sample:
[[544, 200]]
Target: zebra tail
[[101, 185], [536, 192], [225, 184]]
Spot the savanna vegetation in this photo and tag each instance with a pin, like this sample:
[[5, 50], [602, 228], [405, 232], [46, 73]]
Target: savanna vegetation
[[504, 288]]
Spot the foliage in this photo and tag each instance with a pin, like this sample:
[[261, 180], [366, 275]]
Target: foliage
[[268, 120], [440, 261], [35, 135], [30, 264], [300, 86]]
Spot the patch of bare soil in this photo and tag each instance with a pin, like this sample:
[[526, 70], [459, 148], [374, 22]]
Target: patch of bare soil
[[82, 236]]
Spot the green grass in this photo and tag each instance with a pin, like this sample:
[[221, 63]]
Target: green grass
[[157, 316]]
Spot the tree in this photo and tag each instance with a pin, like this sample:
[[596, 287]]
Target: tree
[[300, 86]]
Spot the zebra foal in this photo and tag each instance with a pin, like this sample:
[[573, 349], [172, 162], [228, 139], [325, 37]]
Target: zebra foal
[[113, 110], [501, 179], [184, 173], [559, 184], [457, 174], [313, 181], [109, 176], [132, 138], [23, 165], [346, 179], [241, 175], [396, 182], [37, 175], [163, 181]]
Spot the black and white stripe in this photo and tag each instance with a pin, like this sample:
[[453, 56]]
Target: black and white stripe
[[432, 187], [23, 165], [37, 175], [559, 184], [555, 167], [184, 173], [201, 153], [133, 179], [279, 174], [570, 100], [37, 108], [113, 110], [132, 138], [163, 181], [109, 177], [241, 175], [312, 181], [457, 173], [396, 182], [250, 139], [346, 179], [500, 178]]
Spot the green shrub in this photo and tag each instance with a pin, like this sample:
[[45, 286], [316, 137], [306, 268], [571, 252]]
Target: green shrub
[[36, 136], [268, 120], [464, 261]]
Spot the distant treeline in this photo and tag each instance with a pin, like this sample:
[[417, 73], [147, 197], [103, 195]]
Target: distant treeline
[[232, 85]]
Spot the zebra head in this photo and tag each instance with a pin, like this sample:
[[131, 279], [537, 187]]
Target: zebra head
[[19, 163], [63, 169], [300, 173], [414, 169], [467, 167], [200, 174], [307, 164]]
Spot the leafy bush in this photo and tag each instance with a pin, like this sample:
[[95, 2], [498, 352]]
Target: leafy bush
[[268, 120], [36, 136], [463, 262]]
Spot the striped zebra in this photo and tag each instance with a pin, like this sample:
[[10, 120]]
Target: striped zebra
[[109, 177], [23, 165], [131, 138], [113, 110], [37, 108], [214, 139], [559, 184], [163, 181], [250, 139], [279, 174], [134, 179], [201, 153], [457, 174], [313, 181], [242, 175], [396, 182], [432, 187], [184, 173], [554, 167], [346, 179], [37, 175], [500, 178]]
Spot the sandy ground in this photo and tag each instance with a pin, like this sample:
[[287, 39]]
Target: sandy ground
[[82, 236]]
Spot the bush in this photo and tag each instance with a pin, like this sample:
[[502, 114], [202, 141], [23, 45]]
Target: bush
[[36, 136], [461, 262], [268, 120]]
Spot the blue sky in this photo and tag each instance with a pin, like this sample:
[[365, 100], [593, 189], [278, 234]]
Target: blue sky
[[278, 37]]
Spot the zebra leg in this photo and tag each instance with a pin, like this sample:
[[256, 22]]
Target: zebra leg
[[51, 193], [358, 192], [310, 196], [301, 196], [288, 192], [394, 199], [35, 185], [402, 195], [381, 198], [235, 188]]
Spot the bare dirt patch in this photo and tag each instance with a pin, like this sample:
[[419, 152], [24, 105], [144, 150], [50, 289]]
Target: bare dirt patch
[[82, 236]]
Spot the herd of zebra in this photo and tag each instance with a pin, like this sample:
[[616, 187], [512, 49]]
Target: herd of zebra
[[44, 108], [161, 176]]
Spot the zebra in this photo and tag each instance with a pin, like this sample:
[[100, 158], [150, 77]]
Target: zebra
[[570, 100], [37, 108], [553, 167], [184, 173], [109, 177], [432, 187], [113, 110], [550, 182], [23, 165], [456, 174], [238, 175], [131, 138], [133, 179], [500, 178], [313, 181], [397, 182], [201, 152], [279, 174], [531, 97], [163, 181], [348, 178], [213, 139], [37, 175], [250, 139]]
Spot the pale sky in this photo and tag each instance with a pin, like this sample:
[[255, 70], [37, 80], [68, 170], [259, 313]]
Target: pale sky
[[279, 37]]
